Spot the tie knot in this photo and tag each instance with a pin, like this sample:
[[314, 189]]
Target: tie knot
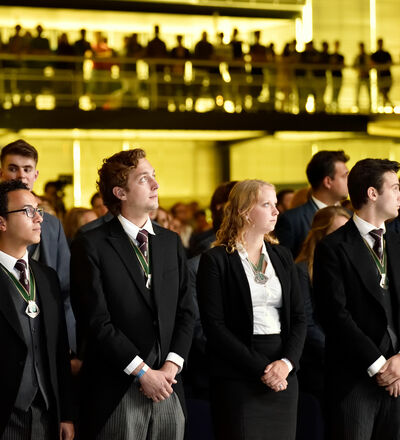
[[376, 234], [20, 265], [142, 236]]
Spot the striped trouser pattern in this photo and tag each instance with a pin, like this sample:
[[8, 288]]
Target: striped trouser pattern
[[34, 424], [139, 418]]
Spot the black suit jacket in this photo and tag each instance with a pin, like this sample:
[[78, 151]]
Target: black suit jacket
[[227, 312], [116, 317], [349, 303], [293, 226], [14, 350], [54, 252]]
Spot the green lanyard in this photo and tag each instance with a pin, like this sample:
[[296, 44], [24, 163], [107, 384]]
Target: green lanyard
[[142, 260], [259, 266], [31, 296], [381, 265]]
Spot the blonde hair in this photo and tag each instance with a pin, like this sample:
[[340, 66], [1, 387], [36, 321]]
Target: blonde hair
[[242, 198], [321, 223]]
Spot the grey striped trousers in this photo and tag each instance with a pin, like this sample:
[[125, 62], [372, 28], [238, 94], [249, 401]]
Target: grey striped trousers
[[139, 418]]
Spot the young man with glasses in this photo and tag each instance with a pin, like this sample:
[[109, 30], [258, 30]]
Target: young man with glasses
[[18, 161], [35, 372]]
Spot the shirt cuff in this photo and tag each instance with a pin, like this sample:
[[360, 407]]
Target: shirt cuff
[[176, 359], [288, 363], [133, 365], [376, 366]]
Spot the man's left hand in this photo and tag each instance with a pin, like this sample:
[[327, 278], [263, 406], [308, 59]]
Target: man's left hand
[[67, 431], [390, 372]]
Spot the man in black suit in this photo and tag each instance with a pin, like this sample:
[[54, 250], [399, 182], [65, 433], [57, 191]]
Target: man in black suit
[[134, 311], [34, 372], [18, 161], [327, 174], [357, 289]]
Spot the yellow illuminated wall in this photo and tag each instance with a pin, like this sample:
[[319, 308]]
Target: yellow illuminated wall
[[283, 161]]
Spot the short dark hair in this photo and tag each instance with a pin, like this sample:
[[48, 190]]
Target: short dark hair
[[322, 164], [368, 173], [280, 195], [218, 200], [5, 188], [19, 148], [94, 197], [114, 172]]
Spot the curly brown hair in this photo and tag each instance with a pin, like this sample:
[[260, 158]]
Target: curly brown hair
[[114, 172], [242, 198]]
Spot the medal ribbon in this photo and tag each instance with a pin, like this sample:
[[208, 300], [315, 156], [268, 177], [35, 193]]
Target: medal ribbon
[[381, 265], [142, 260], [31, 296]]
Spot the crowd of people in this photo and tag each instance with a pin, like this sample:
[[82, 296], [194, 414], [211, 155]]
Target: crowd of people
[[284, 321], [220, 71]]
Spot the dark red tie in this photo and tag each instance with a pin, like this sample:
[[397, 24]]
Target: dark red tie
[[143, 240], [21, 266], [376, 234]]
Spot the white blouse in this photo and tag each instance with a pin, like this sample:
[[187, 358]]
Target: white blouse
[[266, 298]]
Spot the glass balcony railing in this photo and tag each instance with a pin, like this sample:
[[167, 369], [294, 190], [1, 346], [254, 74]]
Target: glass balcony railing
[[195, 85]]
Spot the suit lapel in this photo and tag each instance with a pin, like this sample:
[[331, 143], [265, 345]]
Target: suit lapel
[[241, 281], [156, 264], [361, 260], [121, 243], [393, 256], [281, 273], [7, 307]]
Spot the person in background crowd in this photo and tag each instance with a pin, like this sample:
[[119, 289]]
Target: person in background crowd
[[382, 60], [163, 217], [35, 375], [357, 293], [258, 53], [179, 88], [284, 199], [363, 65], [97, 204], [134, 311], [74, 219], [82, 48], [311, 375], [254, 339], [327, 174], [337, 63], [182, 212], [18, 161]]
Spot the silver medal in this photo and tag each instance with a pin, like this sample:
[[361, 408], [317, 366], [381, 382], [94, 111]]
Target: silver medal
[[260, 278], [32, 309], [383, 283]]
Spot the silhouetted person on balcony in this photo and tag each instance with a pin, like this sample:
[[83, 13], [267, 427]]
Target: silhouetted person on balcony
[[363, 64], [258, 54], [320, 79], [237, 72], [179, 88], [81, 48], [306, 76], [64, 80], [222, 54], [203, 51], [337, 61], [156, 48], [382, 60], [132, 51], [271, 71]]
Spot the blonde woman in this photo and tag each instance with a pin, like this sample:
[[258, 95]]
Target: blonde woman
[[253, 318]]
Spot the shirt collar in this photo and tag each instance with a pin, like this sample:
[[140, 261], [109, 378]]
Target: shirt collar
[[132, 230], [364, 227], [9, 262], [243, 253], [319, 204]]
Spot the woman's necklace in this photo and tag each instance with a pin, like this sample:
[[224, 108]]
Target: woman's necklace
[[259, 276]]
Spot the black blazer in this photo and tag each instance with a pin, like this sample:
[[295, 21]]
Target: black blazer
[[116, 317], [14, 350], [227, 312], [349, 302], [293, 226]]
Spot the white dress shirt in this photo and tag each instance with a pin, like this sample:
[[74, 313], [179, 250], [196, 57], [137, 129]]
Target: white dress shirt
[[319, 204], [364, 228], [132, 230], [266, 298], [9, 263]]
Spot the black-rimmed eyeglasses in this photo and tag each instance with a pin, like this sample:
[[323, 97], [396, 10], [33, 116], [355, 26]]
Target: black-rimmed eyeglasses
[[29, 210]]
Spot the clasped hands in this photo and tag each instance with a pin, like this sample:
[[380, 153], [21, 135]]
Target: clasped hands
[[389, 376], [157, 384], [275, 375]]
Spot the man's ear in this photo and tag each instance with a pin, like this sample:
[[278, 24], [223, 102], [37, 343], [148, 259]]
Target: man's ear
[[327, 182], [3, 224], [36, 175], [372, 193], [119, 193]]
